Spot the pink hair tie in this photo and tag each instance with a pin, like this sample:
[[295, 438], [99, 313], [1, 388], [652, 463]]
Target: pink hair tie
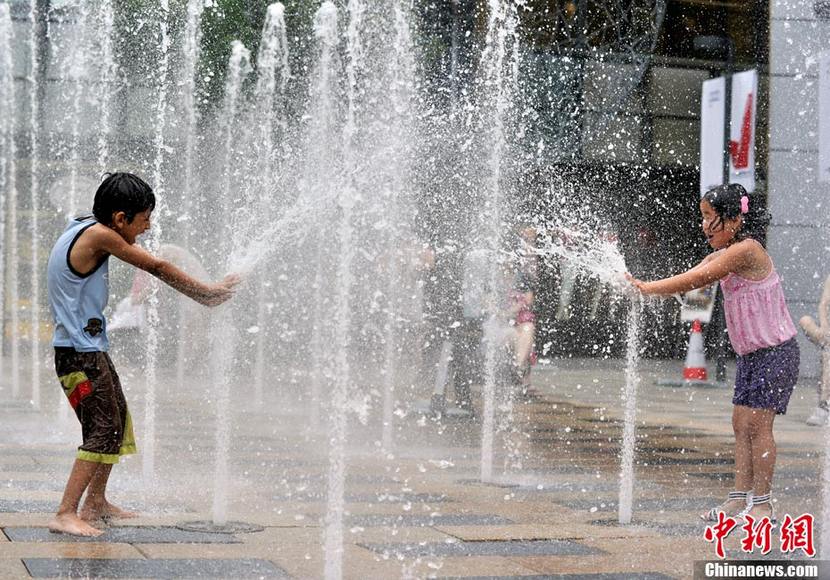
[[744, 204]]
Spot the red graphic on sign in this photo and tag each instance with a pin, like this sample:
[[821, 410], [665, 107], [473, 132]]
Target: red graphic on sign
[[759, 535], [717, 532], [797, 533], [739, 152]]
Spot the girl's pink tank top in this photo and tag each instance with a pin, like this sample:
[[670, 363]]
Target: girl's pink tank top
[[756, 313]]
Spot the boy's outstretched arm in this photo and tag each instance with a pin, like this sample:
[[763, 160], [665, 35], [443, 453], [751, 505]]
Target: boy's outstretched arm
[[714, 267], [207, 294]]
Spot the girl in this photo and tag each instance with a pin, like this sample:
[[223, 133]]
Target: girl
[[760, 329]]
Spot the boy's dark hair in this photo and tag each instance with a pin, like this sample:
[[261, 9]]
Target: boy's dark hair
[[726, 201], [122, 192]]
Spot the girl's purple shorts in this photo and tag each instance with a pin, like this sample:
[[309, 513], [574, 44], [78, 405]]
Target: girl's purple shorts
[[765, 378]]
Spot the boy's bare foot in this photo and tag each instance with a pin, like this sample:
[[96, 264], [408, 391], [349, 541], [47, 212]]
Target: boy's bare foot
[[731, 508], [105, 511], [72, 524], [113, 511]]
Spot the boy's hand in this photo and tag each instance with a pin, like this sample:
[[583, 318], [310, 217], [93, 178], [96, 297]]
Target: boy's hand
[[231, 280], [222, 291]]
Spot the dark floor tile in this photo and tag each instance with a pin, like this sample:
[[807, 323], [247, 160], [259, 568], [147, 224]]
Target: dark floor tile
[[156, 568], [124, 535], [508, 548], [637, 576]]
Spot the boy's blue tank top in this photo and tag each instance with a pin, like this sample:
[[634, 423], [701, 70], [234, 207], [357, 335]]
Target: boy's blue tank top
[[77, 301]]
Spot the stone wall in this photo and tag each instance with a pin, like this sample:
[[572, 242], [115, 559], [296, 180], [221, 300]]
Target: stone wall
[[799, 237]]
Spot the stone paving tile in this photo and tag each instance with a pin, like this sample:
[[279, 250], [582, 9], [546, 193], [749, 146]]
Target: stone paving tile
[[539, 513], [365, 536], [622, 555], [27, 506], [688, 528], [549, 487], [33, 452], [475, 567], [484, 548], [25, 520], [544, 532], [679, 503], [376, 497], [156, 569], [32, 485], [13, 569], [214, 551], [22, 459], [69, 549], [278, 536], [407, 520], [130, 535], [12, 494], [629, 567], [27, 475]]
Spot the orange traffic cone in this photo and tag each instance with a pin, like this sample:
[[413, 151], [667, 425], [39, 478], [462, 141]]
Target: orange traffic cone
[[694, 370], [695, 367]]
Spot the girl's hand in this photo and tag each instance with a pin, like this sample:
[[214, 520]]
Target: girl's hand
[[638, 284]]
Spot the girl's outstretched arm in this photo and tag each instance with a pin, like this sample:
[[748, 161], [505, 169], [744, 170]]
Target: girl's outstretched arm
[[712, 268]]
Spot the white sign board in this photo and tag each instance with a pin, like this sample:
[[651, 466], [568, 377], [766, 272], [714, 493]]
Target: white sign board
[[698, 304], [742, 129], [712, 111], [824, 118]]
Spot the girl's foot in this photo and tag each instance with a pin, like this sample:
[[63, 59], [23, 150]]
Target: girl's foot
[[731, 508], [760, 511], [72, 524]]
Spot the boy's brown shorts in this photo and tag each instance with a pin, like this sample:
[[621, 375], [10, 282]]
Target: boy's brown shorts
[[91, 384]]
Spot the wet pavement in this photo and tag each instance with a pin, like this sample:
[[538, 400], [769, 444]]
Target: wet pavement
[[419, 510]]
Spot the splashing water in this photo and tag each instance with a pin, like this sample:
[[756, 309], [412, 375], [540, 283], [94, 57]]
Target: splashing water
[[590, 252]]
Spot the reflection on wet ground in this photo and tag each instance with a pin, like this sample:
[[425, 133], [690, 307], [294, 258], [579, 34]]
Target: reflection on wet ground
[[418, 511]]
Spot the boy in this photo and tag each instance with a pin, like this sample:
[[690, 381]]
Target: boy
[[77, 285]]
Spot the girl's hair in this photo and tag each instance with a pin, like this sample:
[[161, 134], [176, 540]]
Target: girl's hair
[[122, 192], [727, 202]]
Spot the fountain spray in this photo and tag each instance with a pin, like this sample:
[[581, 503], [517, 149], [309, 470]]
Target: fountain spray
[[7, 151], [154, 242], [333, 534], [632, 380], [498, 81], [222, 327], [34, 113], [272, 65], [190, 49]]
